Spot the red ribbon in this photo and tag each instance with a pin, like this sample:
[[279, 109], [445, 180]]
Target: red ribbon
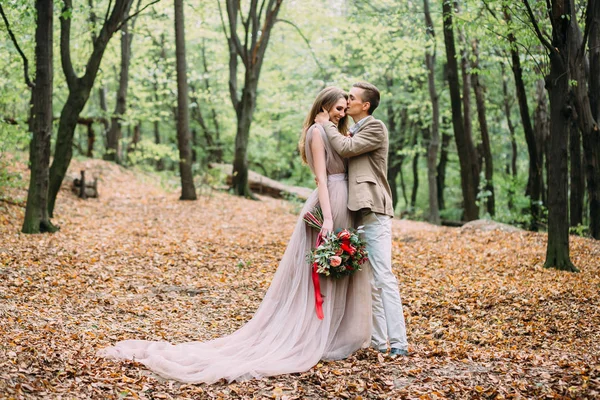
[[316, 283]]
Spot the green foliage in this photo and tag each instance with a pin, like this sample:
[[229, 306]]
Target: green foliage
[[148, 152], [580, 230], [13, 141], [381, 41]]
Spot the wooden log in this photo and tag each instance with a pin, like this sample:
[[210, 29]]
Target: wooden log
[[263, 185]]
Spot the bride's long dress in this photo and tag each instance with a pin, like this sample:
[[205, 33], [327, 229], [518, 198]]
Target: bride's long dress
[[285, 335]]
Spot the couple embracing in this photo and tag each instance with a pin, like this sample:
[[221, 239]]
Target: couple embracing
[[285, 335]]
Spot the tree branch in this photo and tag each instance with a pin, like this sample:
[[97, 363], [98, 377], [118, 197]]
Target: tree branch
[[14, 39], [255, 21], [232, 57], [137, 12], [65, 44], [538, 32], [107, 11], [232, 12], [261, 46], [487, 6]]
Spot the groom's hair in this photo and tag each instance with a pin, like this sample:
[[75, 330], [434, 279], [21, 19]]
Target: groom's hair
[[371, 94]]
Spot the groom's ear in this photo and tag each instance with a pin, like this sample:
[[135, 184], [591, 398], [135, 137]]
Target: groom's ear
[[366, 106]]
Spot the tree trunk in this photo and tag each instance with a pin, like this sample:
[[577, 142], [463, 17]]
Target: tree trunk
[[113, 148], [464, 144], [557, 253], [591, 140], [441, 168], [534, 183], [588, 109], [577, 181], [541, 120], [485, 135], [252, 51], [466, 94], [240, 162], [415, 171], [79, 89], [511, 127], [135, 139], [396, 142], [434, 137], [64, 143], [188, 190], [557, 83], [393, 162], [104, 108], [91, 139], [36, 212]]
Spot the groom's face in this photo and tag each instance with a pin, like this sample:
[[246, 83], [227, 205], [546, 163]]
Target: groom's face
[[356, 105]]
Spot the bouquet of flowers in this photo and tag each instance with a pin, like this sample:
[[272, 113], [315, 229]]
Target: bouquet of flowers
[[339, 253]]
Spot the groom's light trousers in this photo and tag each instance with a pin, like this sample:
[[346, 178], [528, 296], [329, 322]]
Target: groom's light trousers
[[388, 316]]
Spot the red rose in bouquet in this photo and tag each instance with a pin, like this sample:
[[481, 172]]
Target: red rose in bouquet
[[338, 254]]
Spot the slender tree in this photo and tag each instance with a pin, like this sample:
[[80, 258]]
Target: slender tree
[[591, 138], [509, 122], [469, 170], [576, 176], [434, 135], [541, 120], [396, 139], [534, 182], [188, 191], [36, 213], [250, 48], [586, 72], [485, 135], [114, 134], [442, 164]]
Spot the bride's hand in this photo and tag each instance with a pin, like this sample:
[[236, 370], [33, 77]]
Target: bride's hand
[[327, 227], [322, 117]]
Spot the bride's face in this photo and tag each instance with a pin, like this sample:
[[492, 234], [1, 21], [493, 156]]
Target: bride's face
[[338, 111]]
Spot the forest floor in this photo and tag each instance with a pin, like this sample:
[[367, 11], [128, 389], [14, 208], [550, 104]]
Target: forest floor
[[484, 318]]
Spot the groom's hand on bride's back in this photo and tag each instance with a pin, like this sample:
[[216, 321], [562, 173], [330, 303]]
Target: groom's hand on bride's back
[[322, 117]]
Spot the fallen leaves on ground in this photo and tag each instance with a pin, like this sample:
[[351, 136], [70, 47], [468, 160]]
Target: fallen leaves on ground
[[484, 318]]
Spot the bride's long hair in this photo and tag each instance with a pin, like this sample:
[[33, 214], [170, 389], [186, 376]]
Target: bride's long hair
[[325, 100]]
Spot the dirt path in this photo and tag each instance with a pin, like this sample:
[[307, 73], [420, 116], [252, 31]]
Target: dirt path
[[484, 318]]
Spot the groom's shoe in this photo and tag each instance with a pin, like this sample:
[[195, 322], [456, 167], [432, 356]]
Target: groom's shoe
[[395, 352]]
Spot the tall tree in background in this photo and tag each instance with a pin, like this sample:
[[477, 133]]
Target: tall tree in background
[[188, 190], [434, 133], [586, 72], [534, 182], [469, 170], [490, 198], [250, 48], [591, 138], [561, 15], [36, 213], [79, 87], [114, 134]]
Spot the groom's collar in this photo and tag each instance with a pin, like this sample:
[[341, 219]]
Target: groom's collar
[[354, 128]]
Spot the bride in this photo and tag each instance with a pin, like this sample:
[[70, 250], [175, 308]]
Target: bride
[[284, 335]]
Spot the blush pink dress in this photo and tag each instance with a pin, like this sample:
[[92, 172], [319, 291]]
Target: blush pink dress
[[284, 335]]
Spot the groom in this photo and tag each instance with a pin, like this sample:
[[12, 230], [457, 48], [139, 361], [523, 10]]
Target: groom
[[370, 196]]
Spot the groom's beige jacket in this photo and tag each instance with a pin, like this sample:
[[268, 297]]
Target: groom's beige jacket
[[367, 151]]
